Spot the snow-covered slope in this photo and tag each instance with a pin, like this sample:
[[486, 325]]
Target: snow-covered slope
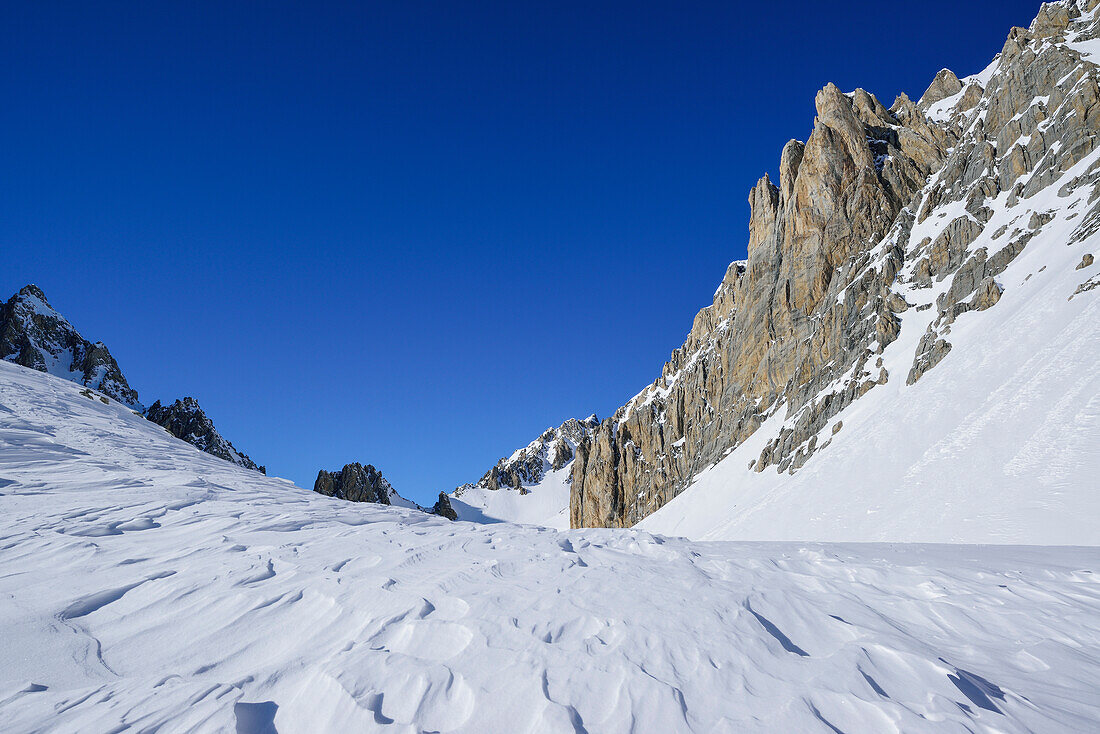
[[34, 334], [545, 504], [145, 585], [531, 486], [998, 444]]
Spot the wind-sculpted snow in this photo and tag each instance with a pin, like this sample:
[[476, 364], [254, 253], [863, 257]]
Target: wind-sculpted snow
[[145, 584]]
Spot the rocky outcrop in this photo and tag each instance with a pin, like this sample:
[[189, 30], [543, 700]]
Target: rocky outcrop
[[34, 335], [869, 229], [528, 466], [442, 507], [185, 420], [805, 309], [355, 483], [944, 85], [364, 483]]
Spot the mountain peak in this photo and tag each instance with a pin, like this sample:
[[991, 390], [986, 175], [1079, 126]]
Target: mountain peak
[[33, 334], [890, 234], [943, 85], [531, 485], [32, 290]]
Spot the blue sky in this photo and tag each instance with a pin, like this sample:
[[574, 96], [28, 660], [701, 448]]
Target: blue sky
[[408, 233]]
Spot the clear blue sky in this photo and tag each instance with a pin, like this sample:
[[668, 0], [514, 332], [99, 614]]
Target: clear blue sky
[[414, 233]]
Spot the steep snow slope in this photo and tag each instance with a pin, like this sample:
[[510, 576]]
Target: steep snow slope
[[144, 584], [530, 487]]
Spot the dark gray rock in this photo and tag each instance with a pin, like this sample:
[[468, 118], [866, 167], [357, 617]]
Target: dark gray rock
[[443, 507], [34, 335], [185, 420], [355, 483]]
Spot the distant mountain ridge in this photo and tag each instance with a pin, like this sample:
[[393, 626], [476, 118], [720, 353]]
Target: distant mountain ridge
[[35, 335], [358, 483], [532, 485]]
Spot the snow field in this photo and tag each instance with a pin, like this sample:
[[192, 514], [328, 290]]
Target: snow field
[[145, 584]]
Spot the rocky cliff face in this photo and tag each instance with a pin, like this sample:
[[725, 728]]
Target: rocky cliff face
[[933, 198], [184, 419], [34, 335]]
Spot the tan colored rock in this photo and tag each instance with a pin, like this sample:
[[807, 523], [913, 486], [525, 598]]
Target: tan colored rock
[[929, 354], [943, 86], [971, 96], [793, 328], [989, 292], [784, 330]]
